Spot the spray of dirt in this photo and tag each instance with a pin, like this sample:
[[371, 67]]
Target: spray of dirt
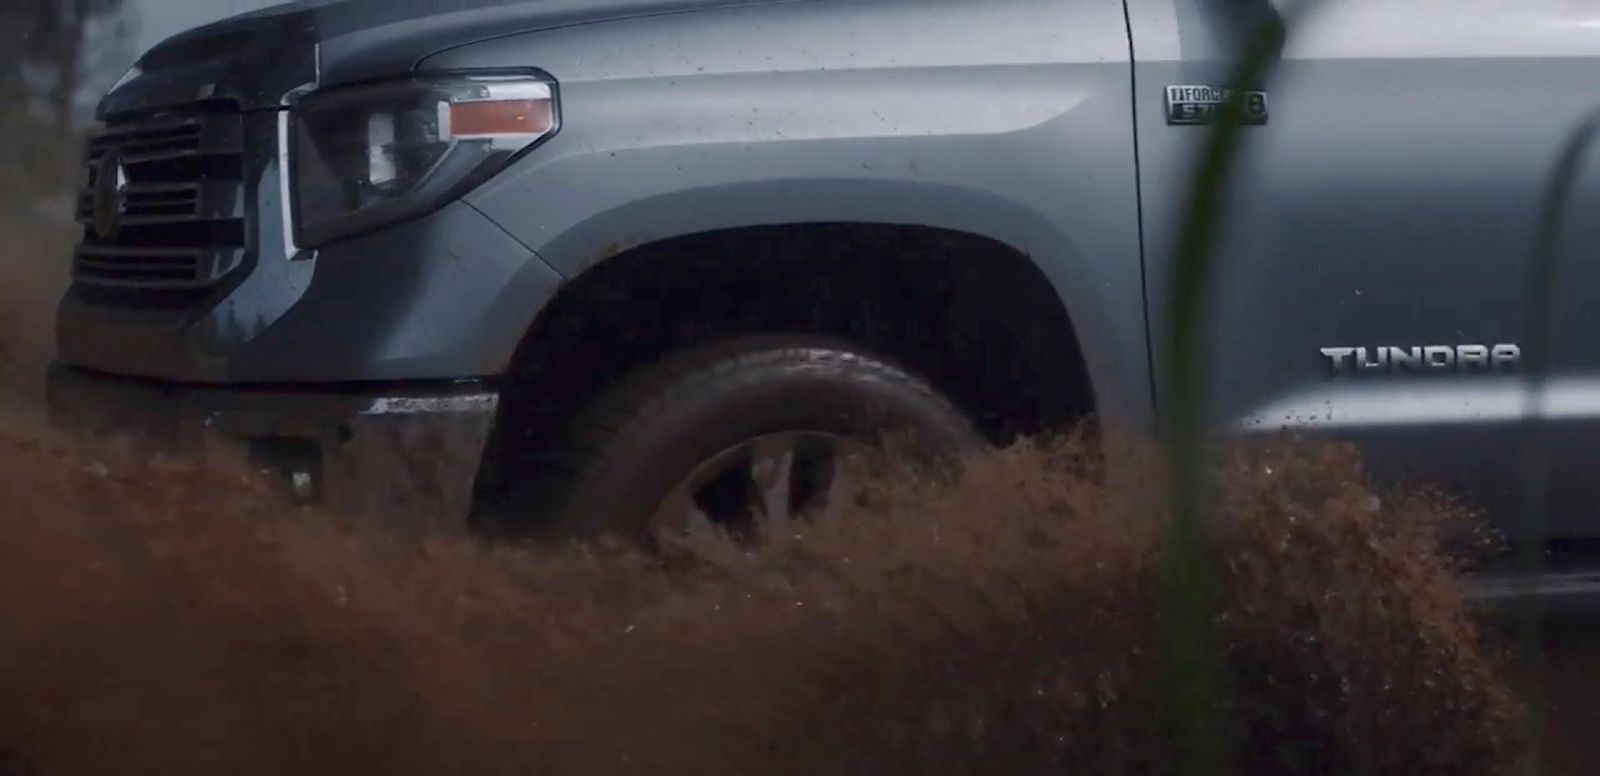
[[161, 617], [33, 274]]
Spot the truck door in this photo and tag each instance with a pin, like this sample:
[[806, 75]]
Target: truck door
[[1371, 269]]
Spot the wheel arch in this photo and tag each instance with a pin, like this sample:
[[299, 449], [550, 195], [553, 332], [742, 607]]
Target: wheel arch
[[1103, 301], [1003, 342]]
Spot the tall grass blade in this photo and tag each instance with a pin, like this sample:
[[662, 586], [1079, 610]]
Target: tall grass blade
[[1538, 334], [1190, 583]]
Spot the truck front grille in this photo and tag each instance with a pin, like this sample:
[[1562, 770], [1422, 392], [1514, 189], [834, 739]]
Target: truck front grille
[[163, 209]]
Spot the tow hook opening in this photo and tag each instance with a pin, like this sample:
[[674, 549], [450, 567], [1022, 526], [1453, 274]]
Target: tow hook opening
[[296, 464]]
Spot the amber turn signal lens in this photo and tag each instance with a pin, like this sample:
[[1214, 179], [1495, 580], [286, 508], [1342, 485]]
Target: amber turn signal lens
[[490, 118]]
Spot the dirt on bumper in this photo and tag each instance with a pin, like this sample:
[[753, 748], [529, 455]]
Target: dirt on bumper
[[408, 453]]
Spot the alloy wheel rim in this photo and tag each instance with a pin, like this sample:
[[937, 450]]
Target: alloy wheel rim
[[765, 482]]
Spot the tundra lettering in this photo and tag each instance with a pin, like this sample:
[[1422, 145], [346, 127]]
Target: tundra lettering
[[1436, 358]]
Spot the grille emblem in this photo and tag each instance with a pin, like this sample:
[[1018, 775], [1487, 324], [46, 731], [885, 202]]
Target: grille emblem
[[110, 184]]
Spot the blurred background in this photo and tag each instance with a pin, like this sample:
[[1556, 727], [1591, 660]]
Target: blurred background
[[57, 57]]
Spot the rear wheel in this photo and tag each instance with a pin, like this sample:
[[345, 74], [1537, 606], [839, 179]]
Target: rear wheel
[[734, 434]]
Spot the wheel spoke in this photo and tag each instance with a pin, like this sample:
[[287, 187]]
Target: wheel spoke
[[847, 476], [772, 476], [763, 485], [680, 514]]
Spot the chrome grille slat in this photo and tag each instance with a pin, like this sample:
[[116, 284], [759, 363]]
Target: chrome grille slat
[[144, 281], [154, 263], [141, 269], [174, 218], [146, 204], [220, 134], [155, 267]]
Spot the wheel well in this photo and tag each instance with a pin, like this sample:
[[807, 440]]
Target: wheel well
[[973, 316]]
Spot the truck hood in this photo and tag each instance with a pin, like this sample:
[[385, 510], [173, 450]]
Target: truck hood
[[256, 59]]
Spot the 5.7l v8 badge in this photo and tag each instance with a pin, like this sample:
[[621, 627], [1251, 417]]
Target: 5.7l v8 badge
[[1194, 105]]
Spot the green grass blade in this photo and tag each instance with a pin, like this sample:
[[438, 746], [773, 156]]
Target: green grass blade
[[1190, 580], [1532, 532]]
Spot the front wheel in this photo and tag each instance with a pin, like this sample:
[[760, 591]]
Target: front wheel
[[738, 433]]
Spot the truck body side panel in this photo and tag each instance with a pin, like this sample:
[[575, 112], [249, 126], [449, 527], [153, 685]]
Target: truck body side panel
[[1009, 120], [1390, 202]]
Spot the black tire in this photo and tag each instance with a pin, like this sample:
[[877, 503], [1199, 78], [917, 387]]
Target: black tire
[[632, 445]]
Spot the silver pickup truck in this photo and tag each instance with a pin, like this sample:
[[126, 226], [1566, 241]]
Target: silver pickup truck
[[666, 259]]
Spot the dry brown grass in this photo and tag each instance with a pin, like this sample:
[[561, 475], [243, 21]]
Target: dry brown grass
[[33, 273], [162, 618]]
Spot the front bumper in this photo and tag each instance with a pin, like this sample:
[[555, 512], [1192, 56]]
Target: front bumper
[[409, 453]]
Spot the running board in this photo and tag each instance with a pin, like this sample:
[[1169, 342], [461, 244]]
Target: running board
[[1565, 594]]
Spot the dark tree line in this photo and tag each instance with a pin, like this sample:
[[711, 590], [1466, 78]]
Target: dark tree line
[[50, 49], [55, 56]]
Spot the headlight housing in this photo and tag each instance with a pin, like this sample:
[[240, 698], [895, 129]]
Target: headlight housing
[[367, 156]]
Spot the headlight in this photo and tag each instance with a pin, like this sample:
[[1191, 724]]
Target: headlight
[[368, 156]]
